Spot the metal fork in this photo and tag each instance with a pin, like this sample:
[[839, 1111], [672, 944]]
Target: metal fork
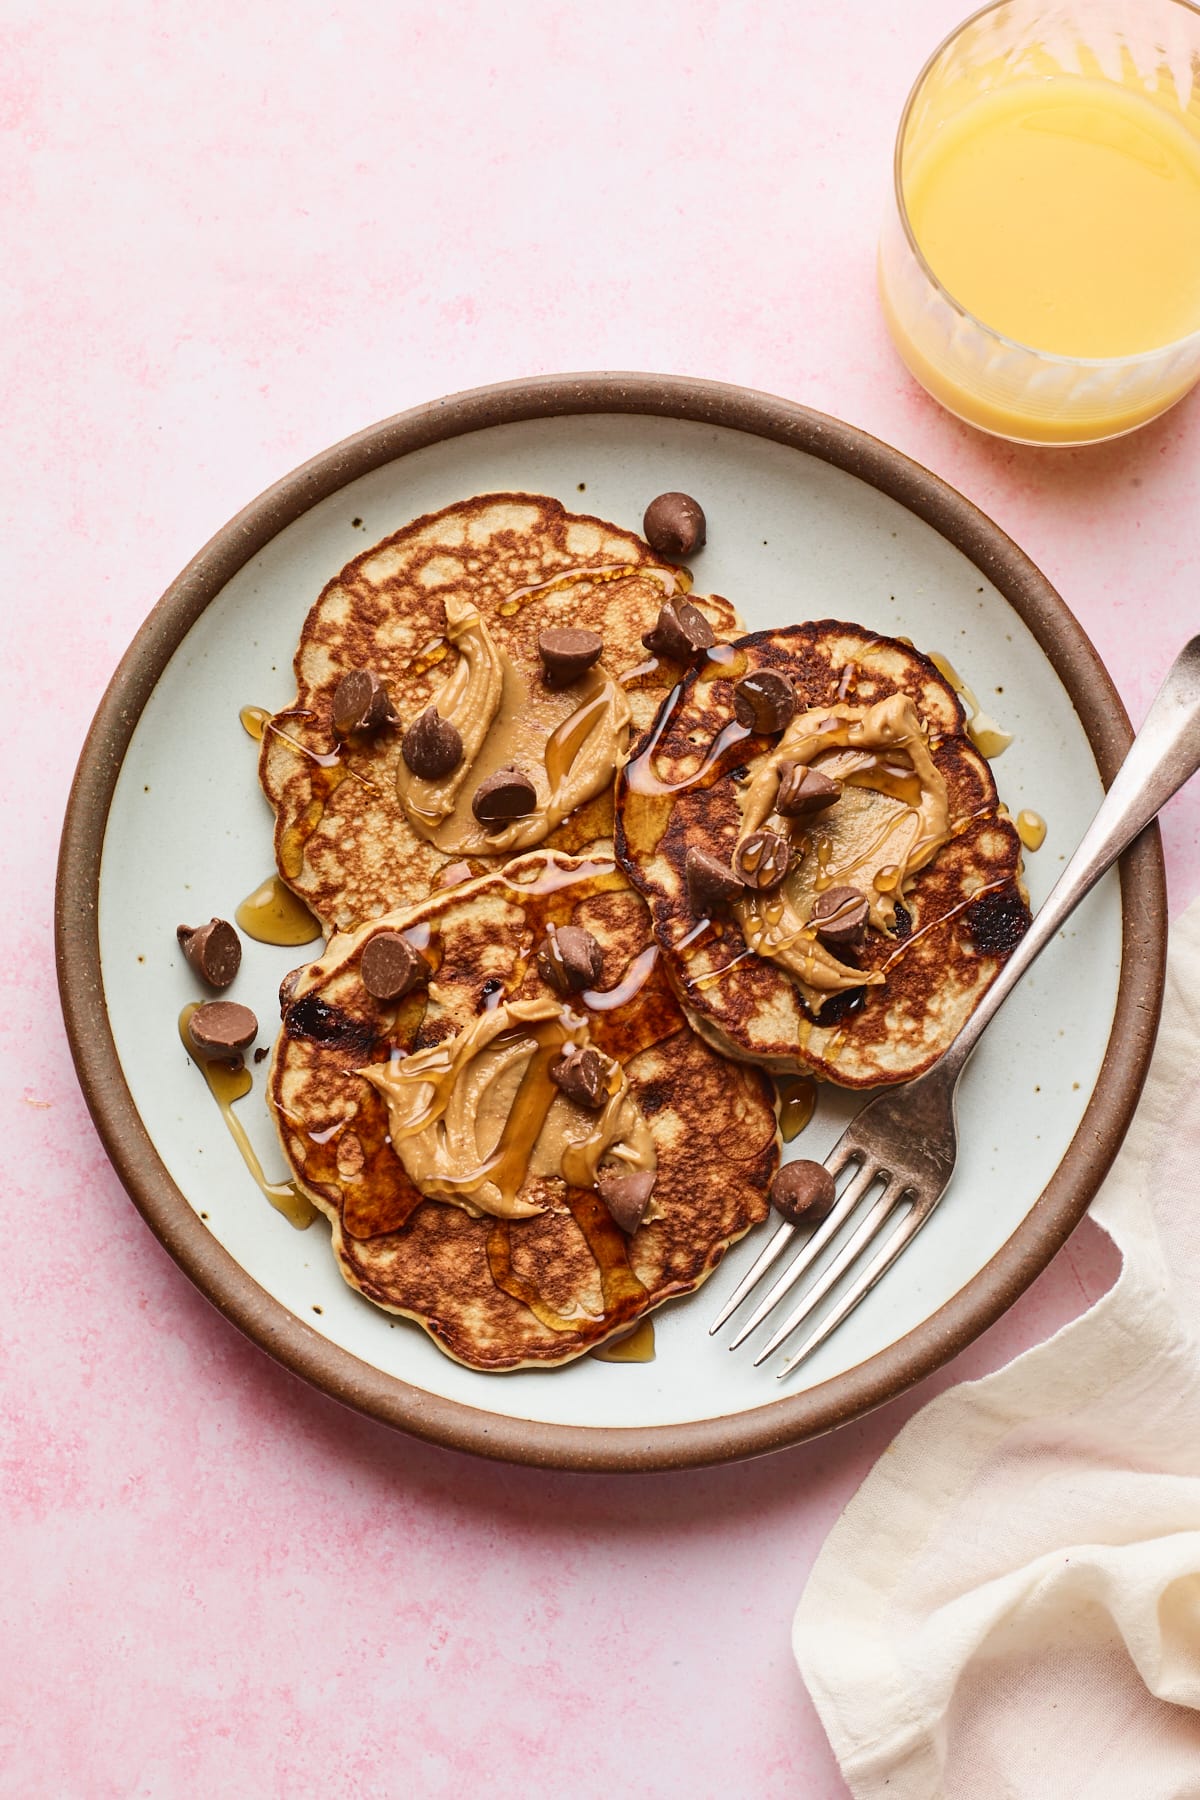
[[908, 1137]]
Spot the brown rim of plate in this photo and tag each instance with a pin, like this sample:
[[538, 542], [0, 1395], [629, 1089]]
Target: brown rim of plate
[[788, 1419]]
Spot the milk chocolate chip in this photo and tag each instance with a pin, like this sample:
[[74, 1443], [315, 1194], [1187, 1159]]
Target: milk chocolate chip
[[803, 1192], [674, 525], [213, 950], [361, 703], [804, 792], [762, 860], [680, 631], [390, 966], [220, 1030], [765, 701], [569, 959], [432, 746], [840, 915], [567, 654], [508, 794], [582, 1075], [626, 1196], [710, 883], [287, 988]]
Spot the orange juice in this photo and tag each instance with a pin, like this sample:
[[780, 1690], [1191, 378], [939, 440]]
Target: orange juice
[[1064, 213], [1040, 265]]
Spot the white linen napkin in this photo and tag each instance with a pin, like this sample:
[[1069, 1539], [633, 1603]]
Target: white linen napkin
[[1010, 1605]]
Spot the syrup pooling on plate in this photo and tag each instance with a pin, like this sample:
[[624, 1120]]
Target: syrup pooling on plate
[[272, 914]]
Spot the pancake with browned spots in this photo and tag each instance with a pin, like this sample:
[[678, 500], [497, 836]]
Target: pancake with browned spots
[[493, 1293], [343, 839], [956, 917]]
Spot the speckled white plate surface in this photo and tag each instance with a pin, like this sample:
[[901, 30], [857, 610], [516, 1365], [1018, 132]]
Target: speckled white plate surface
[[188, 834]]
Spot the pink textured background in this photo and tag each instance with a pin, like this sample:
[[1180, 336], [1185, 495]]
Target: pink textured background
[[233, 234]]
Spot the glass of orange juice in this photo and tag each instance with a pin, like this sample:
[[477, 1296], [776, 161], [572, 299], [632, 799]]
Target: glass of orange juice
[[1040, 266]]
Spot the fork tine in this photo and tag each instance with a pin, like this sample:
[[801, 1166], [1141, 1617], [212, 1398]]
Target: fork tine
[[862, 1179], [849, 1254], [770, 1254], [903, 1234]]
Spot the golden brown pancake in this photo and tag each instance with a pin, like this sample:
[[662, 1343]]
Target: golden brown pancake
[[955, 918], [492, 1292], [343, 840]]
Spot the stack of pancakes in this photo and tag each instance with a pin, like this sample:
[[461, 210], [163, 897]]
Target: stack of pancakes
[[470, 1184]]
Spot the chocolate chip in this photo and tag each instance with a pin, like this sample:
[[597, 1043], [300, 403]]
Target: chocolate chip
[[803, 1192], [361, 703], [840, 915], [432, 746], [213, 950], [569, 959], [508, 794], [680, 630], [765, 701], [710, 883], [804, 792], [220, 1030], [762, 859], [287, 988], [390, 966], [582, 1075], [567, 654], [261, 1054], [674, 525], [626, 1195]]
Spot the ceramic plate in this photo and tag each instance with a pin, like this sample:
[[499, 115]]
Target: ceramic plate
[[807, 518]]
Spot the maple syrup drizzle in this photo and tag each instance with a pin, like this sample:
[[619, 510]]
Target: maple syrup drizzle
[[272, 914], [226, 1085], [641, 778], [566, 740], [988, 738], [673, 580], [636, 1346], [1031, 829], [797, 1096]]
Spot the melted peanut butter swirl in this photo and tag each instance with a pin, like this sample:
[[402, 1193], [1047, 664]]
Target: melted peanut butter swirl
[[569, 741], [474, 1118], [891, 820]]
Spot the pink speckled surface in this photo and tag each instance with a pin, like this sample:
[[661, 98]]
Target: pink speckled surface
[[233, 235]]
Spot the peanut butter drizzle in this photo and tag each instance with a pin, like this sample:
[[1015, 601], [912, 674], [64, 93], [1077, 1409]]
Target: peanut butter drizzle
[[568, 740], [226, 1085], [272, 914], [1031, 829], [990, 739], [873, 844]]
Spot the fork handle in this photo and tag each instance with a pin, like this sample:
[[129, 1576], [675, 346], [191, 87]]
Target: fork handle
[[1163, 755]]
